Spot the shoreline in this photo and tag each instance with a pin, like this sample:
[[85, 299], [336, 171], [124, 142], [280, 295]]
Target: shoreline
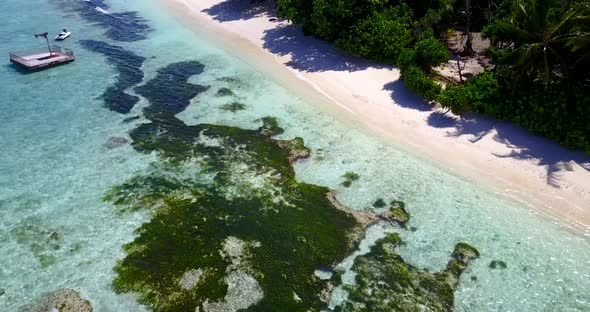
[[542, 175]]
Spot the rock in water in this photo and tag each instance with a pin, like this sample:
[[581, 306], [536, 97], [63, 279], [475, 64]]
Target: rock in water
[[62, 300], [115, 142]]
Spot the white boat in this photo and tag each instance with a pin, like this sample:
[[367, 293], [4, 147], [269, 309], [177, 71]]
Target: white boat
[[63, 35]]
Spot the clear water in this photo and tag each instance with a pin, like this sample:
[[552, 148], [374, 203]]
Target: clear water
[[54, 168]]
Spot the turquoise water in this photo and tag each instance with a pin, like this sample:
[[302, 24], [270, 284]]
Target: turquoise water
[[58, 159]]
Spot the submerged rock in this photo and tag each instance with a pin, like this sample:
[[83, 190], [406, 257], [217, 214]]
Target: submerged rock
[[115, 142], [379, 203], [130, 119], [397, 213], [225, 92], [190, 279], [498, 264], [42, 239], [62, 300], [384, 282], [296, 147]]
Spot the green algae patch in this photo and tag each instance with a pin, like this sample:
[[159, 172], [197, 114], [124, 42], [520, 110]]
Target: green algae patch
[[379, 203], [42, 239], [233, 107], [497, 264], [398, 212], [349, 177], [215, 185], [384, 282], [222, 92]]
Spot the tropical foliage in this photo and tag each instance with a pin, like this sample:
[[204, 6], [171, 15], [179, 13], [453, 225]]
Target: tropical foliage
[[540, 51]]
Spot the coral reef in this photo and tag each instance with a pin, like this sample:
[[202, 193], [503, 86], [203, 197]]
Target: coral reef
[[62, 300], [232, 228], [398, 213], [384, 282], [42, 239], [219, 186]]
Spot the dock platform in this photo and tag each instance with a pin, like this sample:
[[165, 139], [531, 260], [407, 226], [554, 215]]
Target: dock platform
[[37, 58]]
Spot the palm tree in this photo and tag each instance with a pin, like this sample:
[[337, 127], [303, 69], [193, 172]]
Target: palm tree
[[580, 41], [537, 35]]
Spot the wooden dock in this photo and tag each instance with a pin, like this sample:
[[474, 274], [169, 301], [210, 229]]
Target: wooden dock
[[38, 58]]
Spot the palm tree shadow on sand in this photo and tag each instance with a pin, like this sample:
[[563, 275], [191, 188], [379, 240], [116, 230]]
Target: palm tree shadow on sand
[[307, 53], [233, 10], [310, 54], [523, 145]]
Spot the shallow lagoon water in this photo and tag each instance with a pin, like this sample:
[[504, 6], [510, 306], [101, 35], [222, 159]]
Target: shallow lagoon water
[[55, 167]]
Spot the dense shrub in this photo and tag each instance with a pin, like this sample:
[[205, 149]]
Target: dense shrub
[[558, 111], [479, 94], [539, 48], [416, 80], [455, 98], [381, 36], [429, 51]]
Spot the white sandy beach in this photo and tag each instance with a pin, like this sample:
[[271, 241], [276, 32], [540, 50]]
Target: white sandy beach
[[532, 170]]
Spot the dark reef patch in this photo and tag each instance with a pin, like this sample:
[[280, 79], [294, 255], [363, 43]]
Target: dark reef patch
[[225, 92], [497, 264], [291, 228], [384, 282], [43, 239], [130, 119], [349, 177], [379, 203], [123, 26], [169, 93], [242, 195], [128, 66], [231, 227]]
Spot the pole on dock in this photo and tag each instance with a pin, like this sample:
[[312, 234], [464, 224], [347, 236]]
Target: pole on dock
[[44, 35]]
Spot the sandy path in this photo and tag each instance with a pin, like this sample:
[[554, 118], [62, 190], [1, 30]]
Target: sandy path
[[532, 170]]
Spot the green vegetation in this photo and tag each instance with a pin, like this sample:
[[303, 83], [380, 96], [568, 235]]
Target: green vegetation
[[379, 203], [225, 92], [398, 212], [42, 239], [384, 282], [498, 264], [231, 228], [539, 54], [349, 178], [245, 192], [233, 107]]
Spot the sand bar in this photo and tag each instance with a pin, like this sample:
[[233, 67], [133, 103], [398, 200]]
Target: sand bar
[[546, 177]]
